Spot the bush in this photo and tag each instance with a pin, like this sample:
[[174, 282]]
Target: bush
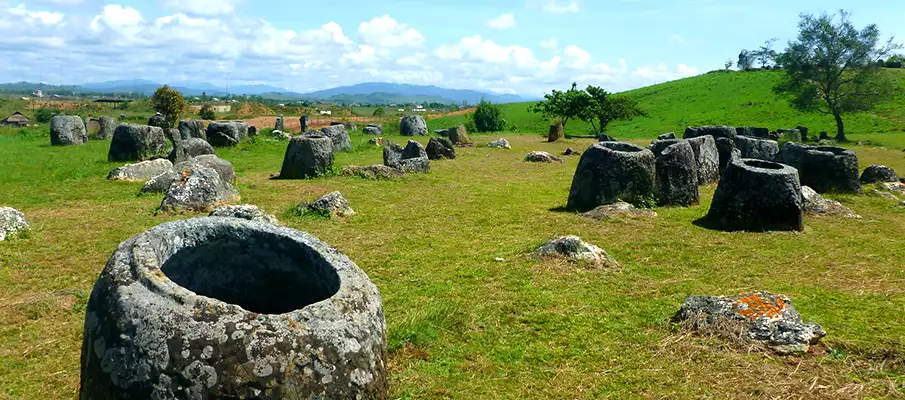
[[44, 115], [207, 113], [488, 118]]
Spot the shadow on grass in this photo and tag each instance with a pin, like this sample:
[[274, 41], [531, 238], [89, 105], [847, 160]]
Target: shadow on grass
[[751, 227]]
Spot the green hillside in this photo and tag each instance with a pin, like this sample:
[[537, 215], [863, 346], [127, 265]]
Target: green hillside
[[719, 98]]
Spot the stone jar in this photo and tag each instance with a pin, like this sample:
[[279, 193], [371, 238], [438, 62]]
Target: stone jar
[[613, 171], [757, 195], [224, 308], [307, 156]]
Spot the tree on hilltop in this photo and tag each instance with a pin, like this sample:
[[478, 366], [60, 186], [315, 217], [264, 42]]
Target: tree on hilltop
[[571, 104], [831, 68], [603, 108]]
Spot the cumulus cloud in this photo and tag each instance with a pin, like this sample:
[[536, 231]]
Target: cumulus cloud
[[387, 32], [120, 42], [198, 7], [560, 7], [504, 21]]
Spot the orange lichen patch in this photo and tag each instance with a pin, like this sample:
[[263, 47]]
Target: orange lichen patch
[[754, 306]]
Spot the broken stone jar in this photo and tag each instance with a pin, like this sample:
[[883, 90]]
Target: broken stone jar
[[226, 308]]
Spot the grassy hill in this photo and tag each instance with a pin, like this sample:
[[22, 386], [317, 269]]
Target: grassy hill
[[719, 98]]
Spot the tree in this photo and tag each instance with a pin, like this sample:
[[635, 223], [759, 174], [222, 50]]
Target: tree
[[830, 68], [765, 54], [745, 60], [603, 108], [168, 102], [563, 106], [204, 96], [488, 117], [728, 64], [379, 112], [207, 113], [44, 115]]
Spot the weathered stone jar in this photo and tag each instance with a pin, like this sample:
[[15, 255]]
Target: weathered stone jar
[[757, 195], [215, 308], [612, 171]]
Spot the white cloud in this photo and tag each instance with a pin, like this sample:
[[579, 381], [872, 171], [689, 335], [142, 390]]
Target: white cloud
[[557, 7], [550, 44], [387, 32], [44, 17], [200, 7], [504, 21], [576, 57]]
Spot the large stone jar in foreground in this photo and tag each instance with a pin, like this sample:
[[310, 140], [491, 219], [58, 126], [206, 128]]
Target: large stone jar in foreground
[[226, 308], [757, 195], [612, 171]]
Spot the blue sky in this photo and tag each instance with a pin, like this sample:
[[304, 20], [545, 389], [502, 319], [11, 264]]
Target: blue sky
[[509, 46]]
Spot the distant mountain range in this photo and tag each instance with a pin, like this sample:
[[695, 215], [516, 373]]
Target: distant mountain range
[[369, 93]]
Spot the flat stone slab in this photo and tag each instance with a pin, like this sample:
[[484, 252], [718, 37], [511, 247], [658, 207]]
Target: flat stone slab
[[618, 210], [573, 248], [142, 171]]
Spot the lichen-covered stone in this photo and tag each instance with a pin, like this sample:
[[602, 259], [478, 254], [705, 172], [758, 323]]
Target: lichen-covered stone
[[190, 148], [815, 204], [12, 223], [440, 148], [758, 149], [755, 132], [823, 168], [224, 134], [575, 249], [142, 171], [223, 167], [377, 171], [223, 308], [373, 129], [413, 125], [613, 171], [542, 157], [764, 317], [158, 120], [617, 210], [757, 195], [340, 137], [413, 158], [667, 136], [708, 158], [136, 143], [459, 136], [107, 126], [332, 205], [677, 176], [160, 183], [198, 189], [67, 130], [189, 129], [499, 144], [245, 211], [307, 156], [714, 131], [557, 132], [878, 173], [728, 152]]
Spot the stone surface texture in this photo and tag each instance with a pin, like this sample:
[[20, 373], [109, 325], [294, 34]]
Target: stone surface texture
[[377, 171], [189, 129], [142, 171], [440, 148], [714, 131], [878, 173], [575, 249], [247, 212], [815, 204], [332, 205], [307, 156], [67, 130], [765, 317], [223, 308], [340, 137], [198, 189], [413, 125], [612, 171], [823, 168], [136, 143], [677, 176], [618, 210], [757, 195], [542, 157], [499, 144], [759, 149], [708, 158], [107, 128]]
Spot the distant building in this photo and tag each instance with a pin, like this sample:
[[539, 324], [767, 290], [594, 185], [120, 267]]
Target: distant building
[[326, 112], [16, 120], [38, 93], [218, 108]]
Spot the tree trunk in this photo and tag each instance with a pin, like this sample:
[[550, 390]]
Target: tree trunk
[[840, 128]]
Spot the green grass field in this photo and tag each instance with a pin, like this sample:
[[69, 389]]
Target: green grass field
[[464, 326], [735, 98]]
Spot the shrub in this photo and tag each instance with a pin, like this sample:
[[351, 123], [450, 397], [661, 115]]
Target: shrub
[[44, 115], [207, 113], [488, 117]]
